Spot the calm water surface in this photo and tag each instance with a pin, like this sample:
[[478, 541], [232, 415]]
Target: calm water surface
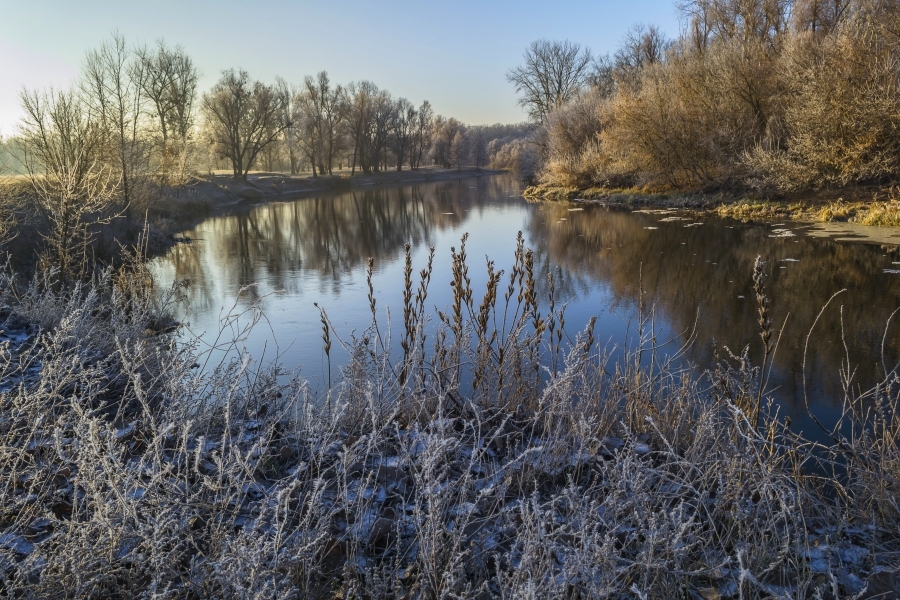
[[283, 257]]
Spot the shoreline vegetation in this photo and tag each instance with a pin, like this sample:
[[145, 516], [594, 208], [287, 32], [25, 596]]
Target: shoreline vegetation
[[862, 205], [494, 457], [756, 109]]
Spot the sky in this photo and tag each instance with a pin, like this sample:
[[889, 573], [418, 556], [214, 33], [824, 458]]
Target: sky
[[453, 53]]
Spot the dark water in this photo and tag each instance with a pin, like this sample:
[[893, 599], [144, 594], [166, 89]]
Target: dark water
[[285, 256]]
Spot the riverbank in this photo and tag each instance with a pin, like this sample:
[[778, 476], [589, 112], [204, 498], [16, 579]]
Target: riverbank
[[863, 205], [220, 191], [178, 208], [159, 213]]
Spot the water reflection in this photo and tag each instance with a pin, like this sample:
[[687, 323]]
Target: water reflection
[[292, 254], [328, 237], [685, 265]]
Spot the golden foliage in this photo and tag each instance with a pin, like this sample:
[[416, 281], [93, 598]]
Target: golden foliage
[[810, 105]]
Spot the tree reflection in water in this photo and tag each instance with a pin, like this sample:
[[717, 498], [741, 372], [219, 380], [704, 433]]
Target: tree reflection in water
[[315, 250]]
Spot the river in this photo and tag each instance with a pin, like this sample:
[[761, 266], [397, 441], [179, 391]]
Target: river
[[275, 260]]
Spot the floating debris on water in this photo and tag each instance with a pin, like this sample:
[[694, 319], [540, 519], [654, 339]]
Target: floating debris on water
[[740, 296], [670, 219], [893, 271], [781, 233], [798, 260], [693, 224], [446, 213], [651, 227], [575, 209]]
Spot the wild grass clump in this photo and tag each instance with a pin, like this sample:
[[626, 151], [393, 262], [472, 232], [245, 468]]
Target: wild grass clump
[[875, 212], [753, 209], [499, 457], [885, 214]]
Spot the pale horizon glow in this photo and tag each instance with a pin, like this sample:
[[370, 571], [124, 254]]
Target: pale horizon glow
[[454, 55]]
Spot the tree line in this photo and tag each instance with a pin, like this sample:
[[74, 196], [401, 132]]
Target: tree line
[[135, 120], [779, 95], [137, 113]]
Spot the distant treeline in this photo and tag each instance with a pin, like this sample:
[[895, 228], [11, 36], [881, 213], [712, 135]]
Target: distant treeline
[[135, 119], [138, 111], [773, 94]]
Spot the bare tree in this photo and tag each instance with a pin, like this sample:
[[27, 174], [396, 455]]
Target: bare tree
[[292, 116], [440, 141], [444, 132], [819, 16], [479, 151], [61, 147], [369, 113], [319, 106], [169, 83], [602, 78], [242, 117], [329, 119], [308, 124], [112, 81], [553, 72], [383, 115], [459, 148], [642, 46], [356, 105], [403, 131], [744, 20], [421, 140]]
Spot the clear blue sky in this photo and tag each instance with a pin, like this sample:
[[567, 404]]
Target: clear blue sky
[[454, 54]]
